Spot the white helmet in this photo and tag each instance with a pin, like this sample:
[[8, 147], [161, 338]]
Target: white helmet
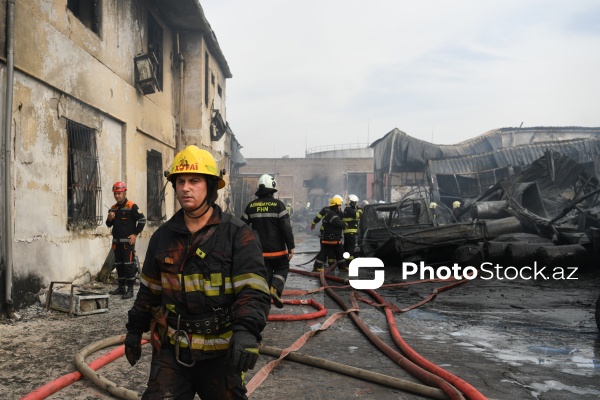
[[353, 198], [266, 181]]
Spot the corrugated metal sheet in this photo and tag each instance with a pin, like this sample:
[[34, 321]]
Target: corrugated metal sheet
[[398, 151], [580, 150]]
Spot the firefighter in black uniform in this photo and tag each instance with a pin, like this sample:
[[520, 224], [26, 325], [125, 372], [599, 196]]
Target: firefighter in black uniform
[[270, 218], [331, 239], [352, 214], [203, 292], [126, 221], [314, 223]]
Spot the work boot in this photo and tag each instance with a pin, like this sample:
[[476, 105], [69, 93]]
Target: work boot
[[128, 294], [275, 297], [119, 290]]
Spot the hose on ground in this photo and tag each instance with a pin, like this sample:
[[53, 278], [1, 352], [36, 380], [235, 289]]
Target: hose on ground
[[359, 373], [96, 378], [68, 379], [465, 387], [424, 376]]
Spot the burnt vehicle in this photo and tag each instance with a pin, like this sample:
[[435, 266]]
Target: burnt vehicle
[[381, 221]]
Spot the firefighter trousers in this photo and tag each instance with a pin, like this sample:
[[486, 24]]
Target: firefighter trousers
[[124, 263], [277, 270], [211, 379]]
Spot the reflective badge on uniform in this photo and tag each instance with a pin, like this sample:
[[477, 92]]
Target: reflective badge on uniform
[[216, 279], [200, 253]]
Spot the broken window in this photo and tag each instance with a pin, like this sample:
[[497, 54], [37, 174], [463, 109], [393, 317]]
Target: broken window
[[154, 185], [87, 11], [84, 194], [155, 46]]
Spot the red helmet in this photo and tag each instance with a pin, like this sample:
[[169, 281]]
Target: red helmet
[[119, 187]]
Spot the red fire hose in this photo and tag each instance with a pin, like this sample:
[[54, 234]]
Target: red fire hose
[[460, 384]]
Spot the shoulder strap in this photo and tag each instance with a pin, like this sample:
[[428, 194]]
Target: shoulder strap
[[232, 219]]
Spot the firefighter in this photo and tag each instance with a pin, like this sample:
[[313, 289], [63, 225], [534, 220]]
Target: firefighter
[[352, 214], [456, 210], [433, 207], [203, 291], [270, 219], [331, 238], [126, 221], [318, 219]]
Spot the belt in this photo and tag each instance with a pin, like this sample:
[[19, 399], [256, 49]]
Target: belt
[[331, 241], [120, 240], [206, 324]]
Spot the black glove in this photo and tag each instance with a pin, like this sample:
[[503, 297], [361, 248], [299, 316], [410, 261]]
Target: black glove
[[243, 350], [133, 347]]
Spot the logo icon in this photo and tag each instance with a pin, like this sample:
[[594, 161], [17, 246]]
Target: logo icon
[[366, 262]]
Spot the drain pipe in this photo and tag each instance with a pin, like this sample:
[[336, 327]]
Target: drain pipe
[[179, 145], [8, 209]]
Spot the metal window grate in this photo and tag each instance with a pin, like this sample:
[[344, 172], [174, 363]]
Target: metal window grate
[[84, 193], [154, 183]]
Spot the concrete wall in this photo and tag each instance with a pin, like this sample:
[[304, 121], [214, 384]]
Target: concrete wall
[[64, 71]]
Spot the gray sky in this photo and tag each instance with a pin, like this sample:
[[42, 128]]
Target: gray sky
[[315, 73]]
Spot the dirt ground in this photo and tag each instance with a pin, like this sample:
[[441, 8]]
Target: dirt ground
[[517, 339]]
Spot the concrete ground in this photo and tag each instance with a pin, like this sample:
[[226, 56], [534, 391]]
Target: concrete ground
[[508, 339]]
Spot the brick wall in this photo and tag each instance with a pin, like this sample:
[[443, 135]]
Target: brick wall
[[292, 173]]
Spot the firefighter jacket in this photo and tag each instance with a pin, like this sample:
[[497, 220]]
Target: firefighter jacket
[[351, 218], [128, 220], [270, 219], [320, 216], [332, 227], [195, 277]]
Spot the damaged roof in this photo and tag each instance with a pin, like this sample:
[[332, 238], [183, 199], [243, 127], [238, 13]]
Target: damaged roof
[[187, 15], [397, 150]]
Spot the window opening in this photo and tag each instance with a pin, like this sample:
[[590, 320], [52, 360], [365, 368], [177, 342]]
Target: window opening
[[87, 11], [155, 46], [84, 194], [154, 185]]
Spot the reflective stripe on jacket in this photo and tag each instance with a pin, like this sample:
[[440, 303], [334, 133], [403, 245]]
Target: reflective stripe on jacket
[[351, 218], [332, 226], [194, 274], [128, 220], [270, 219], [320, 216]]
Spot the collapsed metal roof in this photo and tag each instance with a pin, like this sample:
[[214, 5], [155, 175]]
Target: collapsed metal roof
[[580, 150], [398, 151]]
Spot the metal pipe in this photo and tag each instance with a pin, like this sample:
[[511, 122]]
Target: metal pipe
[[179, 142], [8, 209]]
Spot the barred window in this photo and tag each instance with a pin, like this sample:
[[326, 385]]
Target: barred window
[[154, 184], [84, 194]]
